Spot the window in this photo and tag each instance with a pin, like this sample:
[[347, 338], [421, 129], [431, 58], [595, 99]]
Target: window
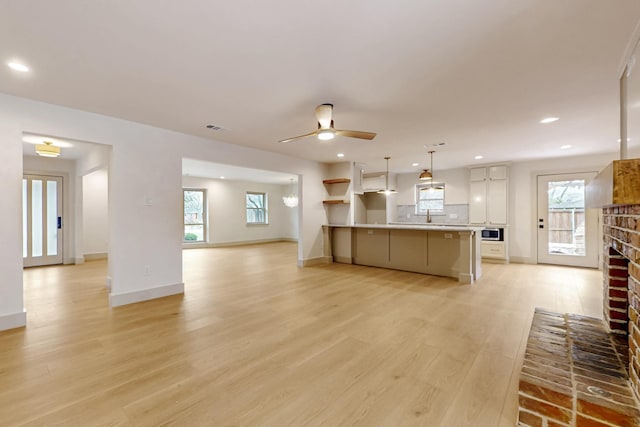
[[430, 197], [256, 208], [194, 204]]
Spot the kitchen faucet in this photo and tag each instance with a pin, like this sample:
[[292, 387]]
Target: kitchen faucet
[[428, 216]]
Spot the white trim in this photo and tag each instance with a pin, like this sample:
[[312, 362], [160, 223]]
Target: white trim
[[97, 255], [116, 300], [522, 260], [628, 51], [315, 261], [238, 243], [12, 321]]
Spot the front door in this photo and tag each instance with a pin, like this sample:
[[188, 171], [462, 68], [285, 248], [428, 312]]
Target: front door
[[41, 220], [567, 231]]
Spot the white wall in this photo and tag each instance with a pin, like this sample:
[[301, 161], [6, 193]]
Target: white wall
[[95, 208], [12, 312], [456, 185], [227, 214], [145, 195], [523, 197]]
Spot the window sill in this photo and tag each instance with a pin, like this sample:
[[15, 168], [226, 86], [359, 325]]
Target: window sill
[[257, 223]]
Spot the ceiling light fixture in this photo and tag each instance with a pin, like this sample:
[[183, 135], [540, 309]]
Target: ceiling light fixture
[[325, 135], [340, 154], [386, 190], [479, 157], [427, 174], [565, 147], [290, 200], [414, 164], [16, 66], [222, 177], [549, 120], [47, 149]]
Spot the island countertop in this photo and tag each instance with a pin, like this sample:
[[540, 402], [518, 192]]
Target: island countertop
[[414, 226], [438, 249]]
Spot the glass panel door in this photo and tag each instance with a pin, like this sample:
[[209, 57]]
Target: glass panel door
[[41, 220], [567, 231]]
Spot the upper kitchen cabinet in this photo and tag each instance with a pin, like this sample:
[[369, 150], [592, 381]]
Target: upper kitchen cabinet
[[488, 195]]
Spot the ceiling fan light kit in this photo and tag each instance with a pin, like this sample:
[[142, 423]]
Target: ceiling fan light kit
[[47, 149], [325, 135], [326, 131]]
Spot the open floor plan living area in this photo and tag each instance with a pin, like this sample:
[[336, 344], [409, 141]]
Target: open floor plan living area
[[358, 213]]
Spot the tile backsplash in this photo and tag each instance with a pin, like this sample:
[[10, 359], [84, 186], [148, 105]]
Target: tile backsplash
[[453, 214]]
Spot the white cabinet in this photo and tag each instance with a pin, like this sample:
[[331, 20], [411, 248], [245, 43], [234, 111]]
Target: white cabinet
[[488, 195], [495, 250]]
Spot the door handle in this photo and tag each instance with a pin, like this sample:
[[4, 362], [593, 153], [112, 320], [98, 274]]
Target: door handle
[[541, 226]]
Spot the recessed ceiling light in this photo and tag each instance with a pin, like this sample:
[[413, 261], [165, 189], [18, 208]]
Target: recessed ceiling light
[[549, 120], [478, 157], [16, 66], [565, 147], [222, 177], [340, 154], [415, 164]]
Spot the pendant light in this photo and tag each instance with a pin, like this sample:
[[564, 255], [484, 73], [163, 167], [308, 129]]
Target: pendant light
[[386, 191], [290, 200], [47, 149], [427, 174]]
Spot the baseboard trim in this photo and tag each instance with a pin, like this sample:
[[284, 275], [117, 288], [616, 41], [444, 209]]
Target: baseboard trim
[[12, 321], [343, 259], [522, 260], [315, 261], [116, 300], [95, 256], [238, 243]]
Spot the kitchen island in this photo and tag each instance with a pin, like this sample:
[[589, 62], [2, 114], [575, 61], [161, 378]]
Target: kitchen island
[[441, 250]]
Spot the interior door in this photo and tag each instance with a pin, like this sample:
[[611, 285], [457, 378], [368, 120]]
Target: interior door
[[41, 220], [567, 231]]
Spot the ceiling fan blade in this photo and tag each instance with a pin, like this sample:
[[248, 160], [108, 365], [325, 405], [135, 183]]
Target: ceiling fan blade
[[324, 114], [298, 137], [356, 134]]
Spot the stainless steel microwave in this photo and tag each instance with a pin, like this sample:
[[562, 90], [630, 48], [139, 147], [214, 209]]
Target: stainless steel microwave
[[493, 234]]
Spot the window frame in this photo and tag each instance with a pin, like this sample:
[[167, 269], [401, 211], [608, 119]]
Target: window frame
[[418, 188], [264, 209], [204, 216]]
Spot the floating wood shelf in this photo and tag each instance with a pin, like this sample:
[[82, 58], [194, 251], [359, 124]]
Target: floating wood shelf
[[617, 184], [335, 202], [336, 181]]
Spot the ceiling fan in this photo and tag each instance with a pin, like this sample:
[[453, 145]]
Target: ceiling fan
[[325, 132]]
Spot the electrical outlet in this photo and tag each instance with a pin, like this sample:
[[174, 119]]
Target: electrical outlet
[[448, 236]]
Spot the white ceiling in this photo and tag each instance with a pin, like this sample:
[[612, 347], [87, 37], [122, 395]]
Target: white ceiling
[[203, 169], [478, 75]]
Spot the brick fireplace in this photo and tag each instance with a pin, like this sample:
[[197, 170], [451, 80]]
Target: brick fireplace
[[621, 271], [581, 371]]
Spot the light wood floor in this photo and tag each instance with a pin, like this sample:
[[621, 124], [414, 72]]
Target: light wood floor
[[257, 341]]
